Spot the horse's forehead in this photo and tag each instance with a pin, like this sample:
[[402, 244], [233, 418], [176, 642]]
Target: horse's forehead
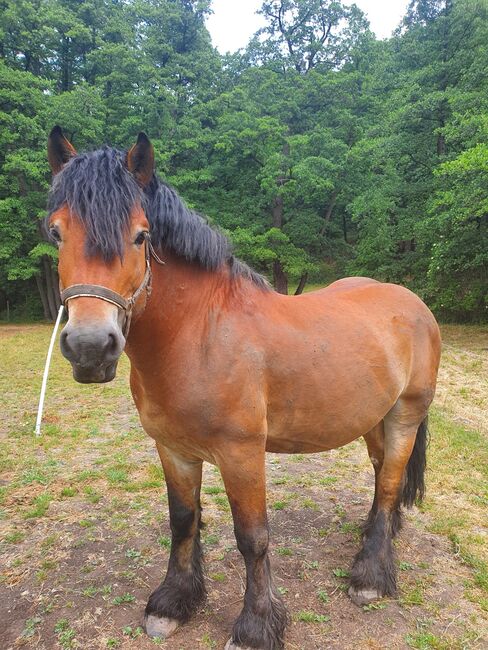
[[72, 221]]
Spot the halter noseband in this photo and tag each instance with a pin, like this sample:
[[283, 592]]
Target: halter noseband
[[103, 293]]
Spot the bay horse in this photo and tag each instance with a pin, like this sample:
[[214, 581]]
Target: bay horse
[[224, 369]]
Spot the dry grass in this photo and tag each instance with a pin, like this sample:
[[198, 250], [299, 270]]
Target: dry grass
[[463, 377]]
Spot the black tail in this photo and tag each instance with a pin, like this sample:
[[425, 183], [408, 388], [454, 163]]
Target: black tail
[[414, 487]]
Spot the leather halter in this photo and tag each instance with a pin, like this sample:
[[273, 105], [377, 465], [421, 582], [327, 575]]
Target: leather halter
[[103, 293]]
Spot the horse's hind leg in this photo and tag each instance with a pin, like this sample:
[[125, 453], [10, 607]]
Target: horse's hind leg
[[399, 477], [182, 590], [375, 441]]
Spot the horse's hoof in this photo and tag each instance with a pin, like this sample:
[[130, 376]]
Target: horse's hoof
[[233, 646], [160, 627], [363, 596]]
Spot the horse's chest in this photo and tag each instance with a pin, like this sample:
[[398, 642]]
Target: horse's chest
[[173, 424]]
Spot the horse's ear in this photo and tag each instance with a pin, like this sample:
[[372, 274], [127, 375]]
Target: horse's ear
[[59, 149], [140, 160]]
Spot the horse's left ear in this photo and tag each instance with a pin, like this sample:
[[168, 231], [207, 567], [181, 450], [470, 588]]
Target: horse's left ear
[[59, 149], [140, 160]]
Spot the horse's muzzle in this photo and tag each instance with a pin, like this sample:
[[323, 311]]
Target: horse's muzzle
[[93, 351]]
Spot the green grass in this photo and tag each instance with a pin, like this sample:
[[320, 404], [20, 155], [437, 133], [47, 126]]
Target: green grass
[[66, 634], [40, 506], [283, 550], [68, 492], [323, 596], [218, 577], [279, 505], [311, 617], [15, 537], [212, 489], [125, 598], [328, 480], [164, 541], [116, 475], [30, 626], [427, 641], [341, 573], [412, 594], [222, 502], [458, 466]]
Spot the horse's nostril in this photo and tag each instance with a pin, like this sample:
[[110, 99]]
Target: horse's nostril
[[112, 345], [63, 341]]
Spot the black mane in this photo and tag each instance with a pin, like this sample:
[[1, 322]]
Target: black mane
[[100, 190]]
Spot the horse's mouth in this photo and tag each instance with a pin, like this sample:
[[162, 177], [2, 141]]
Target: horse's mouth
[[94, 375]]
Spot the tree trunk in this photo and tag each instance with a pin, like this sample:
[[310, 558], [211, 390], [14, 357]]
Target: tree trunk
[[344, 228], [329, 210], [65, 64], [52, 290], [280, 278], [441, 142], [42, 292], [301, 284], [55, 285], [278, 212]]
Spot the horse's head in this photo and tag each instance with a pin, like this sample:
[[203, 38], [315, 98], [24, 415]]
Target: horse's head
[[98, 222]]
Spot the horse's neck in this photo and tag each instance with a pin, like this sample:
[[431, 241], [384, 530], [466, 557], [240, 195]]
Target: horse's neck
[[182, 294]]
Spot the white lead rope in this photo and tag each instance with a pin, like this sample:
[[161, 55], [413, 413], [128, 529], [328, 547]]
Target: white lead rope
[[46, 371]]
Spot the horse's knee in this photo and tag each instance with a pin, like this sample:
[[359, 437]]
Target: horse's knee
[[252, 543], [184, 520]]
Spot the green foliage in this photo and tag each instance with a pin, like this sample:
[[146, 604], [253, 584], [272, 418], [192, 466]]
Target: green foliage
[[320, 150]]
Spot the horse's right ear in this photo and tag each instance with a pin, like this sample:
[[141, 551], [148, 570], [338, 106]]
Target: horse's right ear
[[59, 149]]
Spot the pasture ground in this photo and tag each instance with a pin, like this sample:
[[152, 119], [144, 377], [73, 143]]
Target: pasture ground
[[85, 534]]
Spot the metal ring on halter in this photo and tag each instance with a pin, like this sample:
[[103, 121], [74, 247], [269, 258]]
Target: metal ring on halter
[[103, 293]]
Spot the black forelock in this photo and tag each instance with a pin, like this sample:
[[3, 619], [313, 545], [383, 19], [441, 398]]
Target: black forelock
[[99, 189], [101, 192]]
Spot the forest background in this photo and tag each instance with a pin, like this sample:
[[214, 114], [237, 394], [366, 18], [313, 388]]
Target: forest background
[[321, 150]]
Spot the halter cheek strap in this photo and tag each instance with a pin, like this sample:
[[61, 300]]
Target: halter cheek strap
[[114, 298]]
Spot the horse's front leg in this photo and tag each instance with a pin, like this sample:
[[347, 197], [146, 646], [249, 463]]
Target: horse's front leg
[[183, 590], [262, 622]]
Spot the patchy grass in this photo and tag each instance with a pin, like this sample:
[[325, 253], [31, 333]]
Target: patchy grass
[[311, 617], [85, 536]]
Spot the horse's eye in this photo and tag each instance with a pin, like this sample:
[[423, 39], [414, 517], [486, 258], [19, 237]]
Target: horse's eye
[[141, 237], [54, 235]]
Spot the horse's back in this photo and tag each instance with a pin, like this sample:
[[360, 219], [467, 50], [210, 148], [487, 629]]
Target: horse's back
[[364, 298], [345, 284]]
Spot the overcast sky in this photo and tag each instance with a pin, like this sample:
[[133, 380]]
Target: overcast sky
[[234, 21]]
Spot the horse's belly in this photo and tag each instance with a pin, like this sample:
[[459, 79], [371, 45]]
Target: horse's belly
[[307, 425]]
